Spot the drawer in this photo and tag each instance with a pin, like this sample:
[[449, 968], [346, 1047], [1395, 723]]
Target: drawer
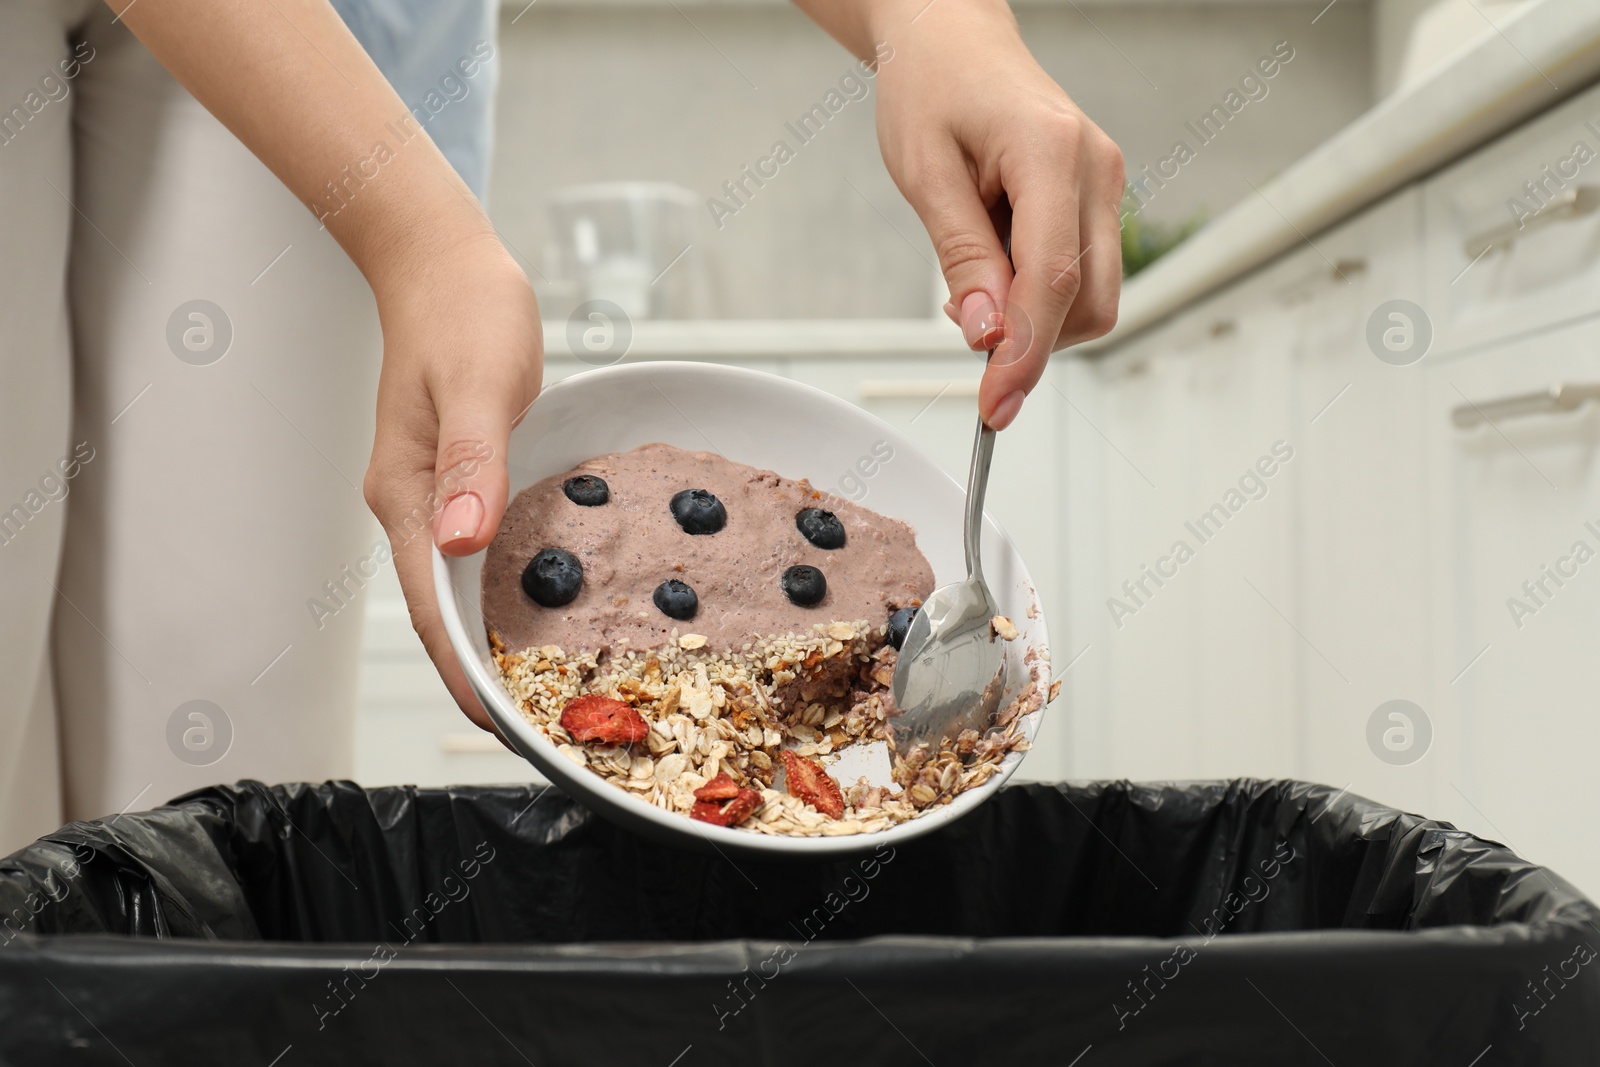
[[1513, 231]]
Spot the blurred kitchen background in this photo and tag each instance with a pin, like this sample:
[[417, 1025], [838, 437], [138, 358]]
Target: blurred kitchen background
[[1354, 299], [688, 94]]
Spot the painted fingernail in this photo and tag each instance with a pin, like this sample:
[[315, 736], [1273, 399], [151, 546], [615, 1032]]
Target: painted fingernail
[[981, 322], [950, 311], [1006, 411], [460, 520]]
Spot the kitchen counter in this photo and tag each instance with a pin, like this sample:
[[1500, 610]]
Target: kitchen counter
[[775, 338]]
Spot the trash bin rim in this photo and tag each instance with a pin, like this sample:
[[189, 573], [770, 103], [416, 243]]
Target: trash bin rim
[[1325, 942]]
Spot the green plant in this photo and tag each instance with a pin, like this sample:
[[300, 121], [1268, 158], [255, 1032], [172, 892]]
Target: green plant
[[1145, 242]]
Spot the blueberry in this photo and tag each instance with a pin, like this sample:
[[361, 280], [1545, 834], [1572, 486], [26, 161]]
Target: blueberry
[[804, 585], [900, 625], [821, 528], [553, 577], [587, 490], [698, 512], [677, 600]]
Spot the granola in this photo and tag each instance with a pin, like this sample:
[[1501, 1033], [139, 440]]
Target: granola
[[723, 723]]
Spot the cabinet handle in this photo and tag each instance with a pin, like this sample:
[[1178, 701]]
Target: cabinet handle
[[917, 388], [1342, 269], [1570, 203], [1559, 397]]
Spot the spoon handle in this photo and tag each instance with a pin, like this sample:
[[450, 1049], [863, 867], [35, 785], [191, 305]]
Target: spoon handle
[[978, 481], [977, 486]]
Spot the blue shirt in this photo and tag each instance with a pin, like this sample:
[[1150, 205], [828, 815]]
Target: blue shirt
[[441, 57]]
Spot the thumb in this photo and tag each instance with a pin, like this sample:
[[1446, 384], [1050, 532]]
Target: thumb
[[971, 257], [470, 481]]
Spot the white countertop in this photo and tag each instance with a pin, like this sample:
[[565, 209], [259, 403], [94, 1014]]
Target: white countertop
[[1544, 54], [776, 338]]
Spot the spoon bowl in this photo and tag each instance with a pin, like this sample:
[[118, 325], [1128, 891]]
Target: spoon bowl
[[951, 672]]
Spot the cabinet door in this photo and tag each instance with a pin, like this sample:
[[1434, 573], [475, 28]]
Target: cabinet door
[[1077, 623], [1515, 522], [1359, 540], [933, 401], [1195, 638]]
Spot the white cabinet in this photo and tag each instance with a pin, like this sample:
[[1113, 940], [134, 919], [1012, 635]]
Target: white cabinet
[[1270, 651], [1400, 555], [1515, 574], [1185, 591], [1360, 539]]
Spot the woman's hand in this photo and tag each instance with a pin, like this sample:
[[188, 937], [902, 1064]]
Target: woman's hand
[[986, 146], [462, 359]]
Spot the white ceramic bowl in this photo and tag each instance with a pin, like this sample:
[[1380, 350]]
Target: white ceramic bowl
[[767, 422]]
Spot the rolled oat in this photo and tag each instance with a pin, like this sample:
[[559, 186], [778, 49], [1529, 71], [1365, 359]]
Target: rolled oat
[[731, 713]]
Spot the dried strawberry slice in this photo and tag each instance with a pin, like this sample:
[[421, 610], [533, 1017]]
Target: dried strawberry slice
[[734, 812], [597, 718], [719, 788], [808, 781]]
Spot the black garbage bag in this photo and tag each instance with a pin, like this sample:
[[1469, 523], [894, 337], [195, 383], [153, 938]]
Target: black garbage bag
[[1233, 923]]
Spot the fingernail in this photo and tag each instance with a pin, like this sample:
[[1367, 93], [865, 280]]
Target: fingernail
[[1006, 411], [981, 322], [950, 311], [460, 520]]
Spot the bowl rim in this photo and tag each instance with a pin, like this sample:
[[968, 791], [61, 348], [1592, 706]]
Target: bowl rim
[[582, 785]]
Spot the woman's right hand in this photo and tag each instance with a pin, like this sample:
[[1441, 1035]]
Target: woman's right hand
[[462, 362]]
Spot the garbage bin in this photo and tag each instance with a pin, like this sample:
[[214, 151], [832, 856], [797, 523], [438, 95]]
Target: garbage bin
[[1239, 923]]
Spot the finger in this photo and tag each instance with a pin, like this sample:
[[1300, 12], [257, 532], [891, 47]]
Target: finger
[[1094, 312], [406, 506], [414, 566], [470, 490], [1043, 187], [476, 413], [970, 255]]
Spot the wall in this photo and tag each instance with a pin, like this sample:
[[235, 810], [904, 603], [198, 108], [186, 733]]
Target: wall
[[1392, 22], [691, 93]]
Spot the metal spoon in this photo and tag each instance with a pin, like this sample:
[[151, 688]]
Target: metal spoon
[[952, 669]]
